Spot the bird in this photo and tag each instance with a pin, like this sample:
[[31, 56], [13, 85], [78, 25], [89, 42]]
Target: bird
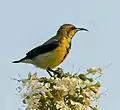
[[54, 51]]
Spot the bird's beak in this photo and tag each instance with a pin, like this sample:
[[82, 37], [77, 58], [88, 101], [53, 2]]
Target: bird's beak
[[81, 29]]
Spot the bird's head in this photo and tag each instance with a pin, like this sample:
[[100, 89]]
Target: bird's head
[[69, 30]]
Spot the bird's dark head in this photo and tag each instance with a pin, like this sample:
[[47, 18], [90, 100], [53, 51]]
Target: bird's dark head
[[69, 30]]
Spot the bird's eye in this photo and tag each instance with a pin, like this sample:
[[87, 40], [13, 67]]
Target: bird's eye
[[73, 27]]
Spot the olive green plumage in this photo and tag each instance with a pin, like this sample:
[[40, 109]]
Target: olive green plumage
[[54, 51]]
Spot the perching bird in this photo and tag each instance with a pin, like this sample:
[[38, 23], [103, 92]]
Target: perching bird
[[53, 52]]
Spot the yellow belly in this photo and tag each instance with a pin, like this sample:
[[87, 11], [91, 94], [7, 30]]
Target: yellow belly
[[51, 59]]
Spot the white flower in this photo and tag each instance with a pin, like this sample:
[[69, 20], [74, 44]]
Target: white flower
[[77, 106], [68, 85], [94, 70], [61, 105]]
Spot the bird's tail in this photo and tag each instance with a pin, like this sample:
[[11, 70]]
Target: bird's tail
[[21, 60]]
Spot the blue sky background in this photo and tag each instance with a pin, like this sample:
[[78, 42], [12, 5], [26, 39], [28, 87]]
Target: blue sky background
[[25, 24]]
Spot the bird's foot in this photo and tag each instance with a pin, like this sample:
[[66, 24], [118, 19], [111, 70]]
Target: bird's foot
[[48, 70], [57, 72]]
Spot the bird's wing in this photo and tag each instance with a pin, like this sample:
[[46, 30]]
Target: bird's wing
[[46, 47]]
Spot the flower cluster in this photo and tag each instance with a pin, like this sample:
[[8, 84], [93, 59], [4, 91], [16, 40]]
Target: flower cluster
[[62, 91]]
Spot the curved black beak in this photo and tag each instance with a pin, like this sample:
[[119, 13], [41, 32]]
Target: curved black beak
[[81, 29]]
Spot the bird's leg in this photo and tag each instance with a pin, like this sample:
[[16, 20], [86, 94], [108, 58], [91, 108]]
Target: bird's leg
[[48, 70], [51, 70], [55, 72]]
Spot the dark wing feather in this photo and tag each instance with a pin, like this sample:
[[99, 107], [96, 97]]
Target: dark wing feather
[[47, 47]]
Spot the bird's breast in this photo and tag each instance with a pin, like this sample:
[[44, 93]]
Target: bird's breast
[[66, 44]]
